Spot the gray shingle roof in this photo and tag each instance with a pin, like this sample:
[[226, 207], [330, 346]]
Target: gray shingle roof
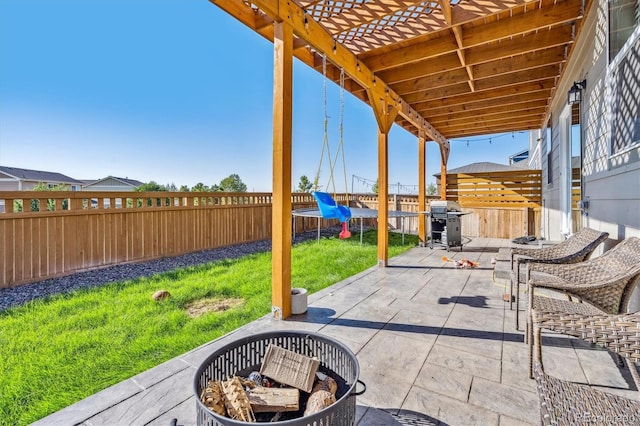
[[38, 175], [131, 182], [485, 167]]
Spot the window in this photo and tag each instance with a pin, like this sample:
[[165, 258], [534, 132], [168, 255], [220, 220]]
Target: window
[[624, 16], [624, 86]]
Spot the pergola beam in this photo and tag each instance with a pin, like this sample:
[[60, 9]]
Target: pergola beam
[[467, 131], [527, 40], [487, 84], [505, 50], [465, 12], [545, 17], [545, 85], [445, 6], [529, 107], [416, 52], [527, 61]]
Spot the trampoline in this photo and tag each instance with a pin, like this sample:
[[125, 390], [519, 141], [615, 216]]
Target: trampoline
[[356, 213]]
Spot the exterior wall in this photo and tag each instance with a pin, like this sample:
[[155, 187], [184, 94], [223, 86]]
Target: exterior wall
[[9, 185], [16, 185], [28, 186], [611, 183], [535, 150], [551, 218]]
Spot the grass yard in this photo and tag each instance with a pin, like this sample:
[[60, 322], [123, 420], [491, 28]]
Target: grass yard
[[56, 351]]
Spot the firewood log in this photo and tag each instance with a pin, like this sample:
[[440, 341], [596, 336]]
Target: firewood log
[[236, 401], [322, 395]]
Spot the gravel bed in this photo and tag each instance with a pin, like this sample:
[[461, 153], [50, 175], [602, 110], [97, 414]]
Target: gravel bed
[[16, 296]]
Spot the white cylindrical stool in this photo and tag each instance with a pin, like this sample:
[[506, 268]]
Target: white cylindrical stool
[[298, 301]]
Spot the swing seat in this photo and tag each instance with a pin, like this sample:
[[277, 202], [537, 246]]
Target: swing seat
[[329, 209]]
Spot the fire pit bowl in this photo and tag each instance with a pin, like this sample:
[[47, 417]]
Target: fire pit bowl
[[245, 355]]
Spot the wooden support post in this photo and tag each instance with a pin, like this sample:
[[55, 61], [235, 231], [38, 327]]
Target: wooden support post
[[385, 113], [282, 141], [444, 157], [383, 198], [443, 181], [422, 237]]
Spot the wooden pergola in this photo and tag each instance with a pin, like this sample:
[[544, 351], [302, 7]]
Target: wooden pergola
[[440, 69]]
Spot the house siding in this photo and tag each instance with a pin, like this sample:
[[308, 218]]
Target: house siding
[[610, 183], [551, 191], [9, 185], [16, 179]]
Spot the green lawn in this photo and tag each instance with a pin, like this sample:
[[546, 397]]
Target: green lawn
[[56, 351]]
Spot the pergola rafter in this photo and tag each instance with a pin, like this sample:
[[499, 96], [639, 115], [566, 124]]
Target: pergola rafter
[[417, 51]]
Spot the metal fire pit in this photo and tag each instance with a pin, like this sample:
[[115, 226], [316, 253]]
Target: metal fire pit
[[446, 229], [245, 355]]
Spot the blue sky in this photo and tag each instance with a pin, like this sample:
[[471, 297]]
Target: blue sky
[[177, 91]]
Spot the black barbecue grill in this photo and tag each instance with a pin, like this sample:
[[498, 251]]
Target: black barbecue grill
[[446, 229]]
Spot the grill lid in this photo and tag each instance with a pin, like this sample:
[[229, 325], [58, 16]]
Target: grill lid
[[441, 206]]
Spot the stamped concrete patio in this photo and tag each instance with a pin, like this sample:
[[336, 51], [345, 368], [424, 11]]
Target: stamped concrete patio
[[435, 344]]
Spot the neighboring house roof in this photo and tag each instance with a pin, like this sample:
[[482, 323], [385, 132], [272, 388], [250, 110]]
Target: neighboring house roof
[[126, 181], [486, 167], [37, 175]]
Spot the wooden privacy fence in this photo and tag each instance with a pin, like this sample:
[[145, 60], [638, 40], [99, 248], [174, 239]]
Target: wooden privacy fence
[[48, 234]]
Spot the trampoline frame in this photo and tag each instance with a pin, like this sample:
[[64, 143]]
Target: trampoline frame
[[356, 213]]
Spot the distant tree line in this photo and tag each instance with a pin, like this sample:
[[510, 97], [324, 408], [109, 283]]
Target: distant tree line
[[231, 183]]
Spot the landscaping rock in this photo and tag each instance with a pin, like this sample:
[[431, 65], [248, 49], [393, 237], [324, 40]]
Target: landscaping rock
[[19, 295], [161, 294]]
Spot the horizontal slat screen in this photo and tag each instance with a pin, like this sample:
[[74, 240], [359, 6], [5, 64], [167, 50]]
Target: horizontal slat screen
[[517, 189]]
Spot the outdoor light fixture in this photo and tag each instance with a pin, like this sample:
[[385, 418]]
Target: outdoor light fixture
[[575, 93]]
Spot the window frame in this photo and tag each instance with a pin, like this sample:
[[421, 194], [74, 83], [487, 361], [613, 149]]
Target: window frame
[[613, 67]]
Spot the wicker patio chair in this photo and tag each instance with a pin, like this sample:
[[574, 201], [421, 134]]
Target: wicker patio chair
[[576, 248], [602, 285], [567, 403], [618, 333]]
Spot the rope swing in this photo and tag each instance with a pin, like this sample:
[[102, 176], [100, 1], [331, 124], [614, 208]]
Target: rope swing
[[326, 147], [328, 206]]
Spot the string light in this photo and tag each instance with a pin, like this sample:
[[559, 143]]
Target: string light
[[406, 189], [489, 139]]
